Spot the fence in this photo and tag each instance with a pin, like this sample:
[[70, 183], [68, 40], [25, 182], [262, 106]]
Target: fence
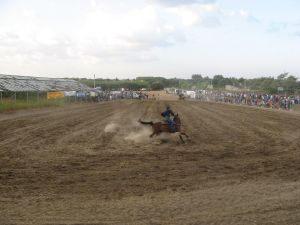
[[17, 100], [252, 99]]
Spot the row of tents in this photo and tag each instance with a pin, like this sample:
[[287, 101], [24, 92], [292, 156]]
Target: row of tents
[[13, 83]]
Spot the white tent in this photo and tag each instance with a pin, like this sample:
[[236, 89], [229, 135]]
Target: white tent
[[27, 84]]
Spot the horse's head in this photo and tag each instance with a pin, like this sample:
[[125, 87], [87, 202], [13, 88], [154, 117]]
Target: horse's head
[[177, 119]]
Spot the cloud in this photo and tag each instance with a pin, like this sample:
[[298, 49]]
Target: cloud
[[297, 34], [196, 15], [105, 33], [277, 26], [138, 30], [192, 12], [211, 22], [290, 28], [248, 16], [182, 2]]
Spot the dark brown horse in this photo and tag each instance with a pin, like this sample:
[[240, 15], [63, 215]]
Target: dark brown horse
[[160, 127]]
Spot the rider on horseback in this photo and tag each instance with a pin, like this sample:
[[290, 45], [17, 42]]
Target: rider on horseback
[[167, 118]]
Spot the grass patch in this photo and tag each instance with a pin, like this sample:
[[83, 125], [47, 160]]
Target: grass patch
[[21, 104]]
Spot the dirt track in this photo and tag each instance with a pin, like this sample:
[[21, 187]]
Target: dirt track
[[59, 166]]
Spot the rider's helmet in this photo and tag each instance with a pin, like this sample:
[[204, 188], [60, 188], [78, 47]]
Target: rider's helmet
[[168, 107]]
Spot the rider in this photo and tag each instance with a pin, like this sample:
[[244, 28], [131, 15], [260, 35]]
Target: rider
[[166, 114]]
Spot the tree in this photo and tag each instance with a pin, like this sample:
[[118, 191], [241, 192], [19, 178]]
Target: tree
[[290, 84], [282, 76], [157, 86], [218, 81], [197, 77]]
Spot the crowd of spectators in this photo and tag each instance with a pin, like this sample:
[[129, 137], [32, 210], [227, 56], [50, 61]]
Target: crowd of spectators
[[253, 99], [115, 95]]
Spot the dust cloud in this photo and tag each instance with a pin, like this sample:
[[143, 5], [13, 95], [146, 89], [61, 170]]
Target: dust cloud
[[140, 135], [111, 128]]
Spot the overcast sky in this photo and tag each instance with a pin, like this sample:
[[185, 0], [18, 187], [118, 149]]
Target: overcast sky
[[170, 38]]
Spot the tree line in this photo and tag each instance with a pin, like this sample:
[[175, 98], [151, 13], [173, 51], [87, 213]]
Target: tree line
[[283, 83]]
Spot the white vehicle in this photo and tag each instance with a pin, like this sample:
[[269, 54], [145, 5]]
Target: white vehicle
[[135, 95]]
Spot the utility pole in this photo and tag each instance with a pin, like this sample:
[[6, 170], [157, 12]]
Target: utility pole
[[94, 82]]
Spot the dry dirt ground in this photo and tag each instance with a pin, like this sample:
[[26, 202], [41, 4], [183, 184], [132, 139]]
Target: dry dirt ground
[[94, 164]]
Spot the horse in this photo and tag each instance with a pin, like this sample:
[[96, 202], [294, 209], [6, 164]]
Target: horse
[[160, 127]]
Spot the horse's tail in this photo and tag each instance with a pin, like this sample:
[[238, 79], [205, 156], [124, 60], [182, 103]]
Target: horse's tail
[[147, 123]]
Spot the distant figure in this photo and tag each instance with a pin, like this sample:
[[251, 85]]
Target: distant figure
[[167, 118], [181, 96]]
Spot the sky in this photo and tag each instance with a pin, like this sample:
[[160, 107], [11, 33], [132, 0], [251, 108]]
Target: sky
[[131, 38]]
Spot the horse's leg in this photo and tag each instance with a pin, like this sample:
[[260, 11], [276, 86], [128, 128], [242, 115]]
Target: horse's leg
[[181, 138], [153, 131], [185, 134]]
